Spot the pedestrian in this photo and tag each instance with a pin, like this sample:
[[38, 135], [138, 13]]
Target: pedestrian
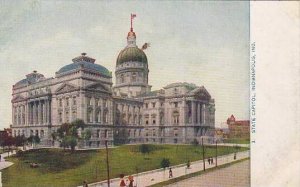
[[170, 173], [122, 183], [208, 161], [211, 160], [85, 184], [0, 157], [188, 164], [234, 156], [130, 178]]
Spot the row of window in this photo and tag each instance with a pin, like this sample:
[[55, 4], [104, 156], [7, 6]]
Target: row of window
[[133, 77], [67, 101], [40, 133], [127, 107], [97, 102], [161, 104]]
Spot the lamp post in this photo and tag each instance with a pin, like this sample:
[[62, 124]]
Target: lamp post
[[107, 164], [216, 152], [203, 155]]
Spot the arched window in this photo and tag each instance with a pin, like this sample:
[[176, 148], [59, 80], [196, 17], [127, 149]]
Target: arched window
[[60, 117], [175, 117], [98, 116], [122, 78], [133, 78], [90, 116], [106, 133]]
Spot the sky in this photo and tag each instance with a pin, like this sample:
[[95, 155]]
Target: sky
[[206, 43]]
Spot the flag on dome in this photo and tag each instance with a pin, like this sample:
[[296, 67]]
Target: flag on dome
[[133, 16]]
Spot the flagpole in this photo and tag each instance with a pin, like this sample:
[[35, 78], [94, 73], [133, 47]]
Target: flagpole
[[130, 22]]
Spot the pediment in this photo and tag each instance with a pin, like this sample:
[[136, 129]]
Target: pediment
[[201, 93], [18, 98], [97, 87], [66, 87]]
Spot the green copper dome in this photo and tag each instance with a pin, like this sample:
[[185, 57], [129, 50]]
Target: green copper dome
[[132, 54]]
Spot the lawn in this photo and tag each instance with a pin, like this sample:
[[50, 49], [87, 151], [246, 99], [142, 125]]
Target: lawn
[[238, 140], [60, 168]]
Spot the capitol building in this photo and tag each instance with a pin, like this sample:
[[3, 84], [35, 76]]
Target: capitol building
[[128, 112]]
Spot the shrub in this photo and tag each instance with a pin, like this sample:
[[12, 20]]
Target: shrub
[[19, 153], [195, 142], [145, 148], [165, 162]]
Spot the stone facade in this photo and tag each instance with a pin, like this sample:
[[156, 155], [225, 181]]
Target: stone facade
[[129, 112]]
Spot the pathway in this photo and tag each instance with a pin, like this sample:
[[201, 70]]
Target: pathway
[[236, 175], [155, 176], [3, 163]]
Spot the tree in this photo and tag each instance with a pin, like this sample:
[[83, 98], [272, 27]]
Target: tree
[[54, 137], [195, 142], [87, 134], [165, 162], [72, 142], [33, 140], [145, 149], [37, 139], [68, 134], [20, 141]]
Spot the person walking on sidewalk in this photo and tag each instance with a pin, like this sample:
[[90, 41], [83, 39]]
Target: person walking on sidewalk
[[122, 183], [212, 160], [208, 160], [130, 178], [85, 184], [170, 173]]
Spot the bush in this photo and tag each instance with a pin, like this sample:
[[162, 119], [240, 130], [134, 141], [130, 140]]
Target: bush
[[145, 148], [19, 153], [165, 162], [195, 142]]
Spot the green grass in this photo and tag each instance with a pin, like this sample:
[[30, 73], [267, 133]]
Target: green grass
[[171, 181], [238, 140], [59, 168]]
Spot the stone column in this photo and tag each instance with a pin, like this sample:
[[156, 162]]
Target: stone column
[[26, 113], [184, 112], [71, 109], [33, 112], [94, 110], [203, 113], [111, 110], [46, 111], [102, 111], [17, 114], [198, 113], [193, 112], [63, 111], [29, 113], [40, 112], [49, 111]]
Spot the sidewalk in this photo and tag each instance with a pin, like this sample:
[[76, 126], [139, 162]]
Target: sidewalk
[[3, 163], [236, 175], [155, 176]]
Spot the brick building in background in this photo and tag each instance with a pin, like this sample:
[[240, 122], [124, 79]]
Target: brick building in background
[[238, 128]]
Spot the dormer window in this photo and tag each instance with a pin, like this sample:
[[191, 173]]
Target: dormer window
[[122, 78], [175, 91]]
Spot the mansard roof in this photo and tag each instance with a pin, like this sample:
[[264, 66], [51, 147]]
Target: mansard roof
[[86, 63], [30, 79], [189, 86]]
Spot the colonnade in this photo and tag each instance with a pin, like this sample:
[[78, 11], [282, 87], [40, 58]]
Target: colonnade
[[39, 111], [198, 111]]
